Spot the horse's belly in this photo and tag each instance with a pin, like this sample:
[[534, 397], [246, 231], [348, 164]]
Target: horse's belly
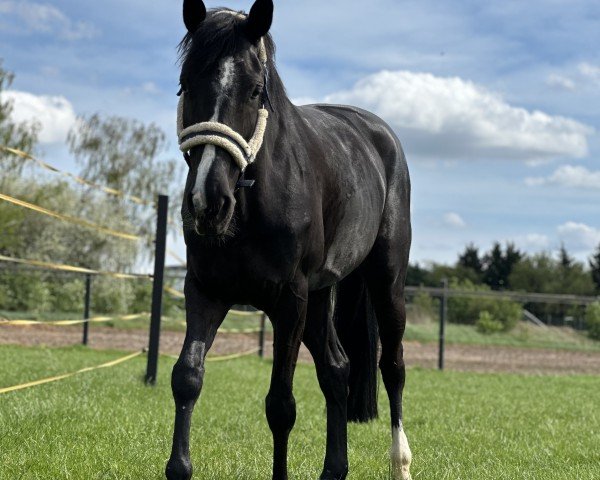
[[352, 242]]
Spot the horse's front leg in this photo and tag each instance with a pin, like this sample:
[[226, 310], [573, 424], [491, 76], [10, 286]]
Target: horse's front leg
[[203, 318], [288, 323]]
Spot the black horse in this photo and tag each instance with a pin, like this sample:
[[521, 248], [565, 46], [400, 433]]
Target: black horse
[[320, 242]]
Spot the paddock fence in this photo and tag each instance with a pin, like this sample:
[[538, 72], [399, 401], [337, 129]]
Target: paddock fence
[[11, 264]]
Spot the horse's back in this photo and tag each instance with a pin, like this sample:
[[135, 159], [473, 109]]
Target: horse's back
[[363, 126]]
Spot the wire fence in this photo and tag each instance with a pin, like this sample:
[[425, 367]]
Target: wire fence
[[65, 268], [157, 278]]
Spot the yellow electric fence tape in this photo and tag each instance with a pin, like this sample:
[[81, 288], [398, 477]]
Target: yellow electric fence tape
[[70, 268], [73, 322], [67, 375], [174, 292], [67, 218], [81, 181], [176, 257], [224, 357]]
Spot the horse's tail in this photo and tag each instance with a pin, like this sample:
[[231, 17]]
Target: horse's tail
[[356, 327]]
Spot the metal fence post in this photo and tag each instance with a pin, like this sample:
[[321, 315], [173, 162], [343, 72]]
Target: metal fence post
[[261, 336], [443, 315], [86, 307], [157, 288]]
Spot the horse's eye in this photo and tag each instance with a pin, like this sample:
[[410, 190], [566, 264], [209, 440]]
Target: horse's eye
[[181, 90], [257, 91]]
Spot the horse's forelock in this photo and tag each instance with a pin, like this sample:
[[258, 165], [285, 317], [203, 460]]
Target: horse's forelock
[[218, 37]]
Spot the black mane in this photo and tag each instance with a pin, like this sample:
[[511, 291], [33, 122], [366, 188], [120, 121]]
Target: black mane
[[219, 36]]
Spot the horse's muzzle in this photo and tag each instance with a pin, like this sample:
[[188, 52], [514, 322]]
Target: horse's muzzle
[[214, 219]]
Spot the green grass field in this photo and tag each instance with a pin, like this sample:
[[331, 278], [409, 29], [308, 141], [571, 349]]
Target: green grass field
[[524, 335], [106, 424]]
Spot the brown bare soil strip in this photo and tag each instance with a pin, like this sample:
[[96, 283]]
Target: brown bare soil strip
[[472, 358]]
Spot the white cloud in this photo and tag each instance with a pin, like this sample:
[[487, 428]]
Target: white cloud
[[43, 18], [579, 235], [589, 71], [559, 82], [448, 117], [574, 176], [454, 220], [534, 241], [54, 114]]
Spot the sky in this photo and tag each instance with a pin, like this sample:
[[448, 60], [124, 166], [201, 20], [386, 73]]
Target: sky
[[497, 104]]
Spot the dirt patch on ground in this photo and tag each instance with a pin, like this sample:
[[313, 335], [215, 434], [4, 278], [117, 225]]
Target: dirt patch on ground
[[474, 358]]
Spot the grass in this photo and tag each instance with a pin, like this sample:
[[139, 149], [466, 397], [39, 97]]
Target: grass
[[524, 335], [107, 425]]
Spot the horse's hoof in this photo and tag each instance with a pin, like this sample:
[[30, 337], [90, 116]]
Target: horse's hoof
[[329, 475], [178, 469]]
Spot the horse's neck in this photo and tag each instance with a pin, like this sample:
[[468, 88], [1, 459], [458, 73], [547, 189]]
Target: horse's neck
[[279, 121]]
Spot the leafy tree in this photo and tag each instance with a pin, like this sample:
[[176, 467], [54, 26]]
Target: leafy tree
[[22, 136], [125, 154], [534, 274], [417, 275], [565, 260], [545, 274], [468, 310], [499, 264], [469, 259], [35, 236], [595, 267]]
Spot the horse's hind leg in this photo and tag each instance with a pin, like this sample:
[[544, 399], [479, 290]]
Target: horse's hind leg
[[332, 371], [203, 319], [386, 275]]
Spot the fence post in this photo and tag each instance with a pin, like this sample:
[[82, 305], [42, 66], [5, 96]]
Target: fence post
[[443, 315], [261, 336], [157, 288], [86, 307]]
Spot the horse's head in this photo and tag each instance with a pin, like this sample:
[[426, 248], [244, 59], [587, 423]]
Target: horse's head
[[222, 80]]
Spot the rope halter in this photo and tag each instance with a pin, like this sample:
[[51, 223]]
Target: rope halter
[[215, 133]]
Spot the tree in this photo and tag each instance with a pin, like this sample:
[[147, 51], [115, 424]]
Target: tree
[[595, 267], [499, 264], [22, 136], [469, 259], [125, 154], [565, 260], [417, 275]]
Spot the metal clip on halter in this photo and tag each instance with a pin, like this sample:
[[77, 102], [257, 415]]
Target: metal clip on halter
[[243, 182]]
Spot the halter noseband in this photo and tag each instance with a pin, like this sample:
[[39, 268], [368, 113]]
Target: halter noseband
[[220, 135]]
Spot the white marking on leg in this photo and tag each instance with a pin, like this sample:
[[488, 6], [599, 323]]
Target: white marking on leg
[[400, 454], [227, 71]]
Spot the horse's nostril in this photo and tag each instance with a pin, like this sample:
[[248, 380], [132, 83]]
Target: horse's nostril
[[198, 205]]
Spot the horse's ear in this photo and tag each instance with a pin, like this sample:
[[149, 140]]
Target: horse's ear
[[194, 13], [259, 19]]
